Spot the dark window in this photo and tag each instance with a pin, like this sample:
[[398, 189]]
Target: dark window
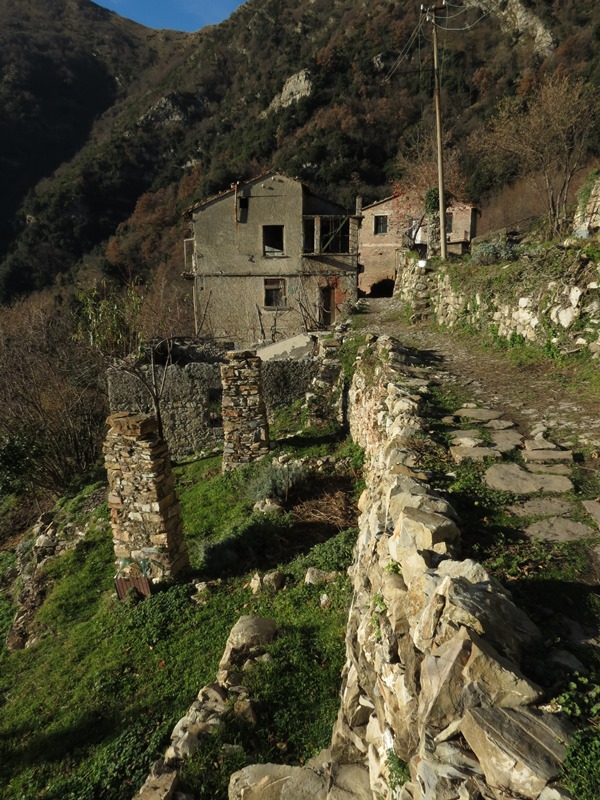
[[215, 402], [335, 235], [449, 221], [243, 202], [273, 240], [274, 292], [308, 240], [380, 224]]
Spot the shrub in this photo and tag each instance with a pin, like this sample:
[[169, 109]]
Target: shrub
[[488, 253]]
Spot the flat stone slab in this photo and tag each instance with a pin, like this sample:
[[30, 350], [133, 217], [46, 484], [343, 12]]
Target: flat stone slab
[[465, 453], [548, 455], [482, 414], [470, 438], [458, 433], [549, 469], [542, 507], [505, 441], [593, 509], [511, 478], [500, 424], [538, 443], [519, 751], [559, 529]]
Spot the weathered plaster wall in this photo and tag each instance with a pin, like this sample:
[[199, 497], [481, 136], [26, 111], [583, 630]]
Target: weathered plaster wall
[[563, 312]]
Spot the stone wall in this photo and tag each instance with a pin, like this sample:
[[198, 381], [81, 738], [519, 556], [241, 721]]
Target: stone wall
[[191, 400], [563, 313], [145, 514], [245, 426], [435, 646]]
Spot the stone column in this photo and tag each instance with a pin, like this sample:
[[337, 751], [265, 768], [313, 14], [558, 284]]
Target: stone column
[[245, 426], [145, 514]]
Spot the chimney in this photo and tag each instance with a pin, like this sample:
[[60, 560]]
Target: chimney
[[358, 206]]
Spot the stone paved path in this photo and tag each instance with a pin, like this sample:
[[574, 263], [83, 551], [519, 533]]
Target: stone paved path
[[537, 430], [536, 401]]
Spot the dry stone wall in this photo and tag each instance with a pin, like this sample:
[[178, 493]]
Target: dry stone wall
[[145, 514], [561, 313], [245, 426], [435, 647]]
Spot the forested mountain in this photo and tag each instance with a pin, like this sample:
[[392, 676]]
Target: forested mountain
[[98, 111]]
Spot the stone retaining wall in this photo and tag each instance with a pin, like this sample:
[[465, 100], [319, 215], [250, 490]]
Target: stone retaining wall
[[562, 313], [434, 644]]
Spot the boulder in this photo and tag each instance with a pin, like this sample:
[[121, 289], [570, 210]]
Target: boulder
[[247, 637], [318, 577], [275, 782]]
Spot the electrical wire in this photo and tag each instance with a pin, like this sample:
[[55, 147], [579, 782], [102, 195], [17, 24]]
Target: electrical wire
[[467, 27], [405, 49]]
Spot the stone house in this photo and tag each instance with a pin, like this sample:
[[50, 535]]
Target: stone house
[[394, 225], [269, 259]]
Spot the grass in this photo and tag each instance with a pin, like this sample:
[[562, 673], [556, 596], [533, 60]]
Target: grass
[[86, 710]]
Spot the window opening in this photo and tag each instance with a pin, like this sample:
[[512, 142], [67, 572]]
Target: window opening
[[273, 240], [335, 235], [308, 239], [215, 402], [274, 292], [380, 224]]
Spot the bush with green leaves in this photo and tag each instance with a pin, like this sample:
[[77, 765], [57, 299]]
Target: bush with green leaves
[[497, 252]]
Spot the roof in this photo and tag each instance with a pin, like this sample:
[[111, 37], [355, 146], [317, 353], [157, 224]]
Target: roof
[[379, 202], [264, 175]]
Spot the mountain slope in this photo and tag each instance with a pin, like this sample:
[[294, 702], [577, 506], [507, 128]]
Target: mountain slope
[[129, 110]]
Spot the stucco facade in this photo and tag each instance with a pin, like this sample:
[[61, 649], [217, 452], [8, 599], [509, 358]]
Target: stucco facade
[[270, 260]]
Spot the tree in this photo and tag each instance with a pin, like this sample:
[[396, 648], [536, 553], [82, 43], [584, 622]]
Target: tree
[[417, 188], [543, 137], [132, 335], [52, 397]]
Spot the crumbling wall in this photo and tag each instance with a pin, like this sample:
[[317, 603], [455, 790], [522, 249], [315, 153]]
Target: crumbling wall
[[191, 399], [146, 518], [245, 426]]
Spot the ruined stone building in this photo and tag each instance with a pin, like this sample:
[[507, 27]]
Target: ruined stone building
[[269, 259]]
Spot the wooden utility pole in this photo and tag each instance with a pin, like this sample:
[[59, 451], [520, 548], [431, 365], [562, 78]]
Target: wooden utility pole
[[431, 12]]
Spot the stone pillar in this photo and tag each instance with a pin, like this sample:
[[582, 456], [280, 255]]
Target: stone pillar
[[245, 426], [145, 514]]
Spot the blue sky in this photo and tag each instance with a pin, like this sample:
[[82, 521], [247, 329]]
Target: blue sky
[[181, 15]]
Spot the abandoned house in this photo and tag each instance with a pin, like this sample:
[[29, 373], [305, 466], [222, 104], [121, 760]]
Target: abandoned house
[[393, 226], [269, 259]]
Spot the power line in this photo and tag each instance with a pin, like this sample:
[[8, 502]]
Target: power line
[[405, 49]]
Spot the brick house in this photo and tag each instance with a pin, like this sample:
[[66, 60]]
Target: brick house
[[392, 226], [270, 259]]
